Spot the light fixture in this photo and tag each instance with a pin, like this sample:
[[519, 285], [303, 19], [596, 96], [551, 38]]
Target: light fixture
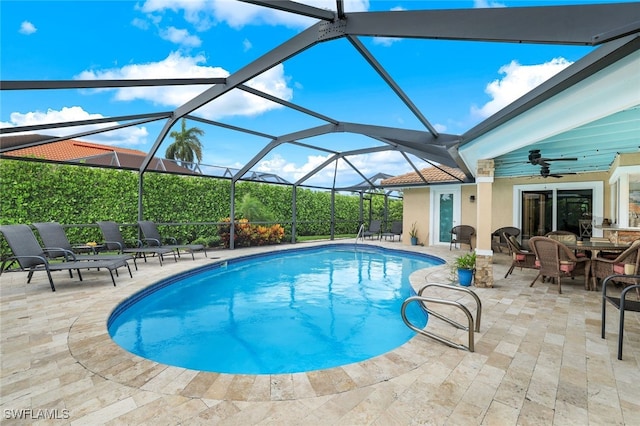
[[472, 198]]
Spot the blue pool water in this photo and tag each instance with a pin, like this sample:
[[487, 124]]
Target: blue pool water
[[285, 312]]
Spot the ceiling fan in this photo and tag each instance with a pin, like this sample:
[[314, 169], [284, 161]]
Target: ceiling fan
[[545, 173], [537, 159]]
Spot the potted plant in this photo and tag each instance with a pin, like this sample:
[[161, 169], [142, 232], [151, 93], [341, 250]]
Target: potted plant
[[413, 233], [465, 266]]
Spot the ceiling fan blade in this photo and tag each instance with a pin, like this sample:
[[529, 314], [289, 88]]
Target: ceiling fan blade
[[558, 159]]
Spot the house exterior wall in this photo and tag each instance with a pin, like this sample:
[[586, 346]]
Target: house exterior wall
[[468, 208], [417, 202], [416, 205]]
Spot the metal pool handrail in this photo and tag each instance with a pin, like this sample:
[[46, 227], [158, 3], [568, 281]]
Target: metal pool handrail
[[360, 233], [423, 304]]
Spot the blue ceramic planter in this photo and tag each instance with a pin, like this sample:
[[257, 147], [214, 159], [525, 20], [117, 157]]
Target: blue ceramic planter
[[465, 276]]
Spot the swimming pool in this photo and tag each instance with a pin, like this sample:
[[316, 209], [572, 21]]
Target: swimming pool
[[283, 312]]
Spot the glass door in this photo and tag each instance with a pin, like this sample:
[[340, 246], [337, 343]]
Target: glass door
[[537, 213], [563, 210], [445, 214]]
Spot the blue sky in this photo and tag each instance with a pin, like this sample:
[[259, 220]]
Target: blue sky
[[455, 84]]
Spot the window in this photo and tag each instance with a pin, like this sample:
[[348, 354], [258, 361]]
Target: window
[[634, 201], [573, 207]]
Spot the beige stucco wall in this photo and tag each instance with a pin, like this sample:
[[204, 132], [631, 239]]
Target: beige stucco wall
[[417, 203], [468, 209], [415, 209]]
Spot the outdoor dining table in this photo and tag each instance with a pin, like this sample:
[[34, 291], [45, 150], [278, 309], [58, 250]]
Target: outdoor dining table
[[597, 246]]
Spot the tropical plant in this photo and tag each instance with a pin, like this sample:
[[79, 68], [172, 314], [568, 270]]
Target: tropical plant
[[413, 232], [186, 146], [253, 210], [465, 261]]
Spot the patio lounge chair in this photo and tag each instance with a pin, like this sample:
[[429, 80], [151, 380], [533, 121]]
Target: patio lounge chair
[[153, 238], [115, 241], [53, 237], [521, 258], [374, 229], [31, 257], [396, 230], [556, 260], [462, 234]]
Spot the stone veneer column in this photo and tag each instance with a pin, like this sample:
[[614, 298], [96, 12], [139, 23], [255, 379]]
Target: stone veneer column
[[484, 201]]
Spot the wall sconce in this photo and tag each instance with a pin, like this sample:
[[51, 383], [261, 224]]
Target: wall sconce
[[472, 198]]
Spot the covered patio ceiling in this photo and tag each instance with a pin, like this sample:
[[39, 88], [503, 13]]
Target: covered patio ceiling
[[593, 104]]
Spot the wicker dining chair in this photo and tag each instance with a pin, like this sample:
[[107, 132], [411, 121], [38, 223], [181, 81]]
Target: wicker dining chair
[[499, 240], [462, 234], [555, 260], [563, 236], [627, 263], [521, 258]]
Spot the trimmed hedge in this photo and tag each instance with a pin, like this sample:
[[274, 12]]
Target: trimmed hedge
[[43, 192]]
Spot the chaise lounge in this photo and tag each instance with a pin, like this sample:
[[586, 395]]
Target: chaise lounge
[[32, 258], [115, 241], [53, 237], [153, 238]]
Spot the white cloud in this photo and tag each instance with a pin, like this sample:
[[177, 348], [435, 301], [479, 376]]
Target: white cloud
[[126, 136], [246, 45], [204, 14], [176, 65], [441, 128], [389, 162], [483, 4], [182, 37], [385, 41], [140, 23], [27, 28], [518, 79]]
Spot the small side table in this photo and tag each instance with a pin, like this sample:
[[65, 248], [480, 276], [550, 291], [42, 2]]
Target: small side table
[[85, 248]]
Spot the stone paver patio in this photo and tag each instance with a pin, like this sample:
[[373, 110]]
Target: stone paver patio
[[539, 360]]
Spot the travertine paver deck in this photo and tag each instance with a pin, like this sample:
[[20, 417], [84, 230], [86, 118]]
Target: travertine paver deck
[[539, 359]]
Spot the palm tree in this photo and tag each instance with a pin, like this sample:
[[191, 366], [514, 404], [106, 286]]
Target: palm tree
[[186, 145]]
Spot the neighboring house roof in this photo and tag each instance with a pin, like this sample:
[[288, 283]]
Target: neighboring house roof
[[70, 150], [87, 152], [440, 174]]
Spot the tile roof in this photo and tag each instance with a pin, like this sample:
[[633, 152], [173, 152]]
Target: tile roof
[[87, 152], [432, 174], [69, 150]]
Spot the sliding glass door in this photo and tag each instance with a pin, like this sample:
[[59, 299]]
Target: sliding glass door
[[537, 213], [555, 209]]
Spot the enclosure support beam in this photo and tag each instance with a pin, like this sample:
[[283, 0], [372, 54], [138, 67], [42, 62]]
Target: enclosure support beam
[[232, 221], [294, 201], [333, 214]]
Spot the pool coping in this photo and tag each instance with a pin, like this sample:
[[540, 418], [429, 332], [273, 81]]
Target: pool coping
[[91, 346]]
